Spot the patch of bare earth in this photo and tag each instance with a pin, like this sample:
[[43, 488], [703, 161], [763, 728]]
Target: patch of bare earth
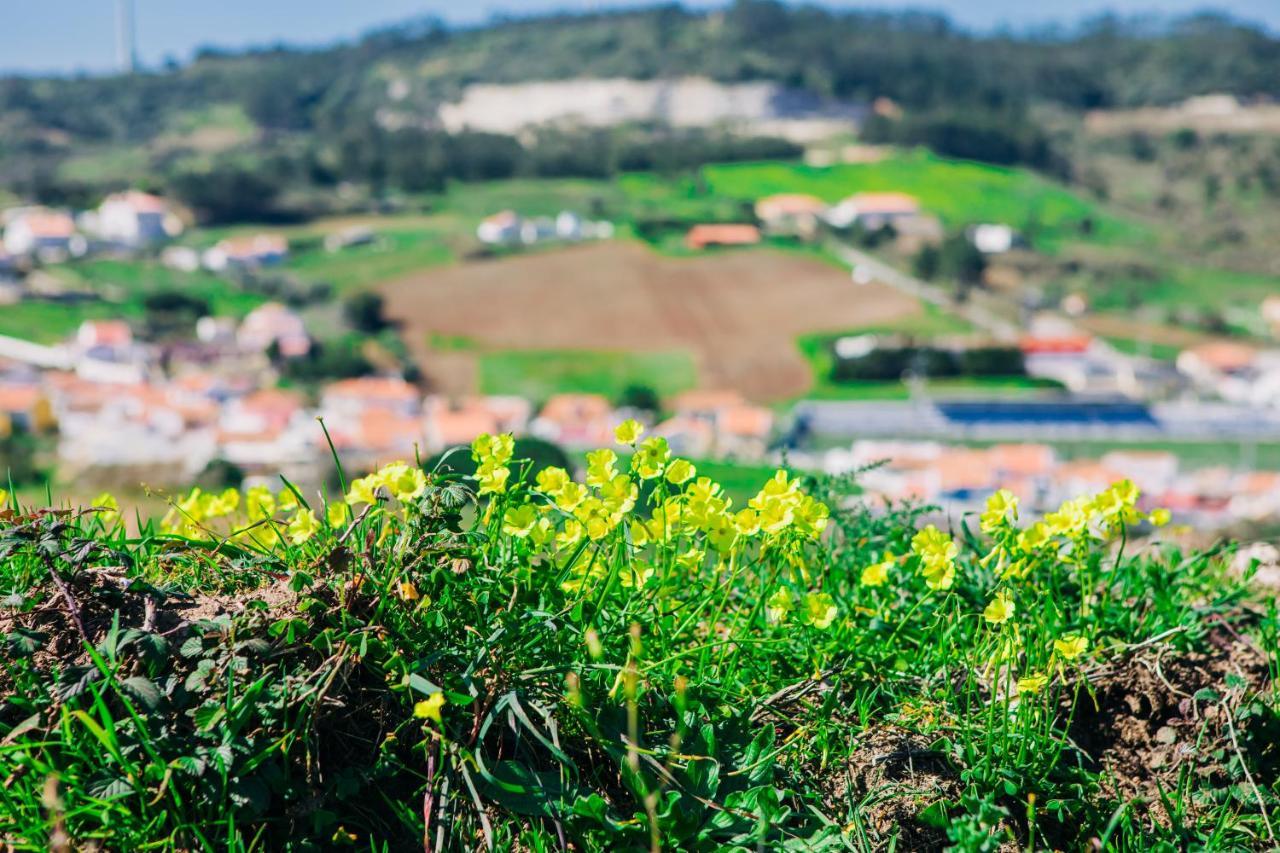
[[1158, 712], [738, 312]]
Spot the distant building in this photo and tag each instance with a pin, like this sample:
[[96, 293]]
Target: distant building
[[135, 218], [349, 398], [500, 229], [724, 234], [273, 323], [791, 213], [104, 334], [994, 239], [873, 211], [43, 233], [261, 250], [576, 420], [182, 258]]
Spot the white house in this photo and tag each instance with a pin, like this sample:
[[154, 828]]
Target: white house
[[993, 239], [273, 323], [873, 211], [44, 233], [500, 229], [260, 250], [136, 218]]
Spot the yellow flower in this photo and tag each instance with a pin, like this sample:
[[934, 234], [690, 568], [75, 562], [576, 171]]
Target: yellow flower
[[747, 521], [1001, 608], [680, 472], [571, 495], [877, 574], [407, 591], [600, 466], [933, 543], [429, 708], [939, 574], [629, 431], [776, 516], [1033, 537], [1071, 518], [1002, 508], [1160, 517], [619, 494], [1071, 646], [497, 449], [571, 534], [552, 480], [4, 497], [519, 521], [1032, 684], [779, 605], [105, 503], [363, 491], [338, 514], [492, 477], [303, 526], [691, 559], [819, 610], [650, 457], [812, 516], [404, 482]]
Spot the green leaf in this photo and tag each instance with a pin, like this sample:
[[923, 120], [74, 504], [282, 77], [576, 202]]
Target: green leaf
[[143, 691], [23, 642]]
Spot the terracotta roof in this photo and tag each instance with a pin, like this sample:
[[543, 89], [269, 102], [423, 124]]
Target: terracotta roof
[[111, 333], [19, 398], [1066, 344], [884, 203], [141, 202], [706, 400], [789, 204], [1223, 356], [745, 421], [1021, 460], [564, 408], [49, 224], [725, 234], [373, 389], [253, 246]]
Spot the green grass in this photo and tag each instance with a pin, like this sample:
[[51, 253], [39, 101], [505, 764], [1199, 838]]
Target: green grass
[[399, 250], [537, 374], [958, 192], [122, 285], [462, 675], [1150, 349]]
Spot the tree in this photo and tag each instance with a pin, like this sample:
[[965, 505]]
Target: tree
[[642, 397], [364, 312], [960, 260]]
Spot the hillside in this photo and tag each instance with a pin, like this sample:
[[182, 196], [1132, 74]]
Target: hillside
[[288, 124], [635, 662]]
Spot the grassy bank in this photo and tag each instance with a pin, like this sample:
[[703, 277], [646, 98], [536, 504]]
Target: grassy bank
[[512, 661]]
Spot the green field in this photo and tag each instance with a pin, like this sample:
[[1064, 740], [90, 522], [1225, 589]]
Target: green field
[[958, 192], [539, 374]]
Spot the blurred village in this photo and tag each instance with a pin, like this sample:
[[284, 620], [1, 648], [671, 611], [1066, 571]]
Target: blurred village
[[117, 409]]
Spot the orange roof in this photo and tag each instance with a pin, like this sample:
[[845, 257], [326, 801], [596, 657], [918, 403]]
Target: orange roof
[[1089, 470], [1055, 345], [884, 203], [1021, 460], [563, 408], [251, 246], [112, 333], [373, 389], [502, 217], [745, 421], [722, 234], [453, 427], [380, 432], [1258, 482], [1224, 356], [963, 469], [48, 224], [789, 204], [19, 398], [141, 202], [706, 400]]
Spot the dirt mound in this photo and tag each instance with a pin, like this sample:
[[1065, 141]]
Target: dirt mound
[[892, 776], [1159, 711]]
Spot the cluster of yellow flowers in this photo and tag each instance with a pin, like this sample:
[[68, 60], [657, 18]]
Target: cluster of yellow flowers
[[686, 511]]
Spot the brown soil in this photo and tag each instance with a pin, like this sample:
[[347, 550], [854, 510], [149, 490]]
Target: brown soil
[[1159, 711], [738, 312], [892, 776]]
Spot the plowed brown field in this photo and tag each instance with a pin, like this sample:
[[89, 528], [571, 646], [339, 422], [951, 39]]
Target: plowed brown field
[[738, 312]]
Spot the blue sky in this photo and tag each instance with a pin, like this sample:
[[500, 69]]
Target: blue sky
[[69, 35]]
